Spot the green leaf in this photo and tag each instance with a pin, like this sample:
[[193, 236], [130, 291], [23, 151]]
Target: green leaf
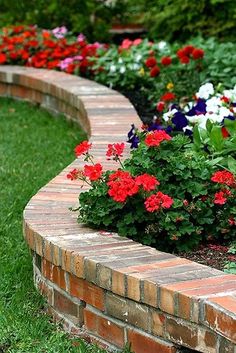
[[232, 164], [216, 138]]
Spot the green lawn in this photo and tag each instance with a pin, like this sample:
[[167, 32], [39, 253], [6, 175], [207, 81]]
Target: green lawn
[[34, 147]]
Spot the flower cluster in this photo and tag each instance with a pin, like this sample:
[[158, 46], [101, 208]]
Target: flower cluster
[[30, 46], [157, 201], [208, 105], [188, 52]]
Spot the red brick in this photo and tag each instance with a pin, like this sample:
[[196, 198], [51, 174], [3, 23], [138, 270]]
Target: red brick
[[47, 269], [149, 293], [181, 332], [133, 288], [104, 327], [143, 343], [87, 292], [167, 301], [221, 321], [118, 283], [64, 305], [58, 277]]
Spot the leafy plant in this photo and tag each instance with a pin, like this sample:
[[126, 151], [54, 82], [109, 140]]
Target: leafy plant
[[161, 196]]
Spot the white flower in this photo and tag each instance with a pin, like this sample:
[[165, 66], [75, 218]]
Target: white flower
[[135, 67], [205, 91], [120, 61], [188, 127], [224, 112], [213, 104], [122, 69], [230, 93], [169, 114], [138, 58], [161, 45], [196, 118], [112, 68]]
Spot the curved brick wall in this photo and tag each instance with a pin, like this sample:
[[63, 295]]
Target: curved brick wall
[[107, 288]]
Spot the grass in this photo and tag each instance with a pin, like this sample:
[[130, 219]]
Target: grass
[[34, 147]]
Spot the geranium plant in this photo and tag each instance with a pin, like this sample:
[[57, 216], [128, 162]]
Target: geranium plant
[[165, 195]]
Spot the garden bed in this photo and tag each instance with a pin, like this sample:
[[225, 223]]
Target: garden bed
[[109, 275]]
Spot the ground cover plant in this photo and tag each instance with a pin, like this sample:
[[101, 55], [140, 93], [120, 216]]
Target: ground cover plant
[[30, 139]]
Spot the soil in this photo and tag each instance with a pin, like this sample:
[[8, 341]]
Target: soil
[[211, 255]]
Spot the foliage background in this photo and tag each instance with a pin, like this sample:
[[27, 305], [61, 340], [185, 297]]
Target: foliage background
[[164, 19]]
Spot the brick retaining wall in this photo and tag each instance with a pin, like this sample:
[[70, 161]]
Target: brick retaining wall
[[109, 289]]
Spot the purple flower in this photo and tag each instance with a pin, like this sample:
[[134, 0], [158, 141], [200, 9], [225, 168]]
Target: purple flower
[[180, 121], [132, 137], [198, 108]]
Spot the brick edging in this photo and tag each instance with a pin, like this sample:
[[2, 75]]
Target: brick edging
[[107, 287]]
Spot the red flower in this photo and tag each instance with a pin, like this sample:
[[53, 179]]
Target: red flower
[[115, 150], [188, 49], [223, 177], [184, 60], [169, 96], [155, 71], [166, 60], [160, 106], [220, 198], [154, 138], [151, 61], [232, 221], [224, 131], [197, 54], [82, 148], [73, 174], [137, 41], [148, 182], [93, 172], [225, 99], [157, 201], [3, 58], [121, 185]]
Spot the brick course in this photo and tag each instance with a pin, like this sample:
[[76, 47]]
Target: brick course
[[100, 285]]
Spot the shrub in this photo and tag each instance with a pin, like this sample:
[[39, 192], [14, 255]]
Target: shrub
[[181, 19]]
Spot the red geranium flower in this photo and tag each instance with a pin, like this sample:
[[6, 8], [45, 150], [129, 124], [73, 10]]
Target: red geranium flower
[[93, 172], [121, 185], [223, 177], [82, 148], [160, 106], [220, 198], [197, 54], [3, 58], [154, 138], [151, 61], [168, 96], [184, 60], [73, 174], [115, 150], [148, 182], [166, 60], [157, 201], [155, 71]]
